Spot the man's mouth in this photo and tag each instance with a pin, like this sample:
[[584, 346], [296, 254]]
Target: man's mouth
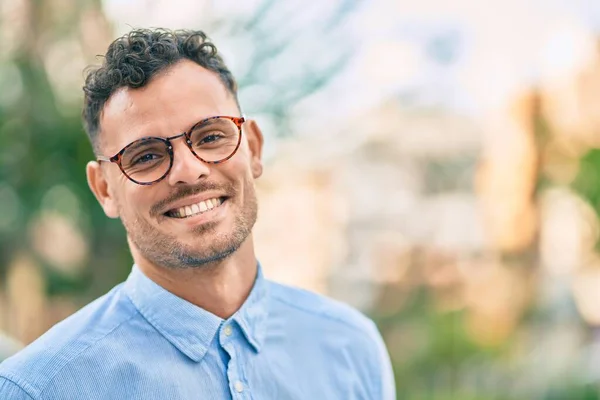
[[195, 209]]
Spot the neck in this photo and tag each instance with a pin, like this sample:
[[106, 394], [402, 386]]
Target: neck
[[220, 289]]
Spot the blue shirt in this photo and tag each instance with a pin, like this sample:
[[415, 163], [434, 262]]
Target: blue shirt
[[140, 341]]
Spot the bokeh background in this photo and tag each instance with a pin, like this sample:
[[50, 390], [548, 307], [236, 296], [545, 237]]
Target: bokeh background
[[434, 164]]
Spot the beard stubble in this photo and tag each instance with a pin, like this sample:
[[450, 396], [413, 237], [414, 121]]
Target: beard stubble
[[166, 250]]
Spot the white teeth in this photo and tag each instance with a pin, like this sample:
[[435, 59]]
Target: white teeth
[[197, 208]]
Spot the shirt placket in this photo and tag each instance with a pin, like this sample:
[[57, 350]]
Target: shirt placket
[[229, 339]]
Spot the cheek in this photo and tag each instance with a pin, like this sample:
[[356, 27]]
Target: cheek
[[136, 202], [239, 174], [240, 165]]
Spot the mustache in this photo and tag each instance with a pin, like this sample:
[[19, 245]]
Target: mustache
[[188, 191]]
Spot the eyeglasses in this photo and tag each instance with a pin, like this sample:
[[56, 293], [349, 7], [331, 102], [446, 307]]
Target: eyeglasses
[[148, 160]]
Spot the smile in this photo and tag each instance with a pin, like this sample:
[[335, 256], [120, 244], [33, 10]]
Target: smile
[[195, 209]]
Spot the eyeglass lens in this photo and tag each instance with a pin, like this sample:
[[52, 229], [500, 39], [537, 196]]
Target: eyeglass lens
[[149, 159]]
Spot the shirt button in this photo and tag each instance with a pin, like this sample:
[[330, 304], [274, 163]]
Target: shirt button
[[239, 387], [227, 331]]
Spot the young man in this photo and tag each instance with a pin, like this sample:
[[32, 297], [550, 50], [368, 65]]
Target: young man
[[196, 319]]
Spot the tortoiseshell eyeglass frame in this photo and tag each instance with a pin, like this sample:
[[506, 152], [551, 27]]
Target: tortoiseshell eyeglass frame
[[238, 121]]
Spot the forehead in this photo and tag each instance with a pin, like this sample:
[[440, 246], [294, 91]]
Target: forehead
[[169, 104]]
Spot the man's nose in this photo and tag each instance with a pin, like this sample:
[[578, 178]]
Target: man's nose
[[187, 168]]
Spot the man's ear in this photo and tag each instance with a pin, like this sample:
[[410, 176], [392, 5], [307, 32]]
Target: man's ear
[[255, 144], [99, 186]]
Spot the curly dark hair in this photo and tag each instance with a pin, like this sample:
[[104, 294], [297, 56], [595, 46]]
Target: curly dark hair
[[135, 58]]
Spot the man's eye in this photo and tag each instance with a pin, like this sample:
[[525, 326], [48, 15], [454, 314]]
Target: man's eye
[[146, 158], [213, 137]]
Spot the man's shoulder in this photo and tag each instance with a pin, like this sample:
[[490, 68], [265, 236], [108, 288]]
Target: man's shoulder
[[322, 309], [37, 364], [341, 329]]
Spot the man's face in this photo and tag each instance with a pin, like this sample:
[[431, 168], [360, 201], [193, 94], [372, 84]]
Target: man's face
[[171, 104]]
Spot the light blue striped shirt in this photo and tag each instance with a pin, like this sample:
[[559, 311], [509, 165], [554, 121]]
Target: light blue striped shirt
[[140, 341]]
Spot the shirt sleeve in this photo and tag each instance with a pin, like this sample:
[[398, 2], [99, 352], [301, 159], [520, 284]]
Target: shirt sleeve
[[384, 383], [12, 391]]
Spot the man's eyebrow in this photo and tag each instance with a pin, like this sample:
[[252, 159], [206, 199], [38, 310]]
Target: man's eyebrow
[[206, 121], [139, 142]]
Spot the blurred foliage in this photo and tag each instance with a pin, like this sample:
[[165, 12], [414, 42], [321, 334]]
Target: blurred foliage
[[436, 358], [272, 36], [43, 145], [588, 176]]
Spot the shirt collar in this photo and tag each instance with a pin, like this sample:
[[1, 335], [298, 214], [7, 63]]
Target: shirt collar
[[252, 316], [191, 328]]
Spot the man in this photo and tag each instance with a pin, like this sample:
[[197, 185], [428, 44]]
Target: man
[[196, 319]]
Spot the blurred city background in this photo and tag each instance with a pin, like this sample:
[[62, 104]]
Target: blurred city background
[[434, 164]]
